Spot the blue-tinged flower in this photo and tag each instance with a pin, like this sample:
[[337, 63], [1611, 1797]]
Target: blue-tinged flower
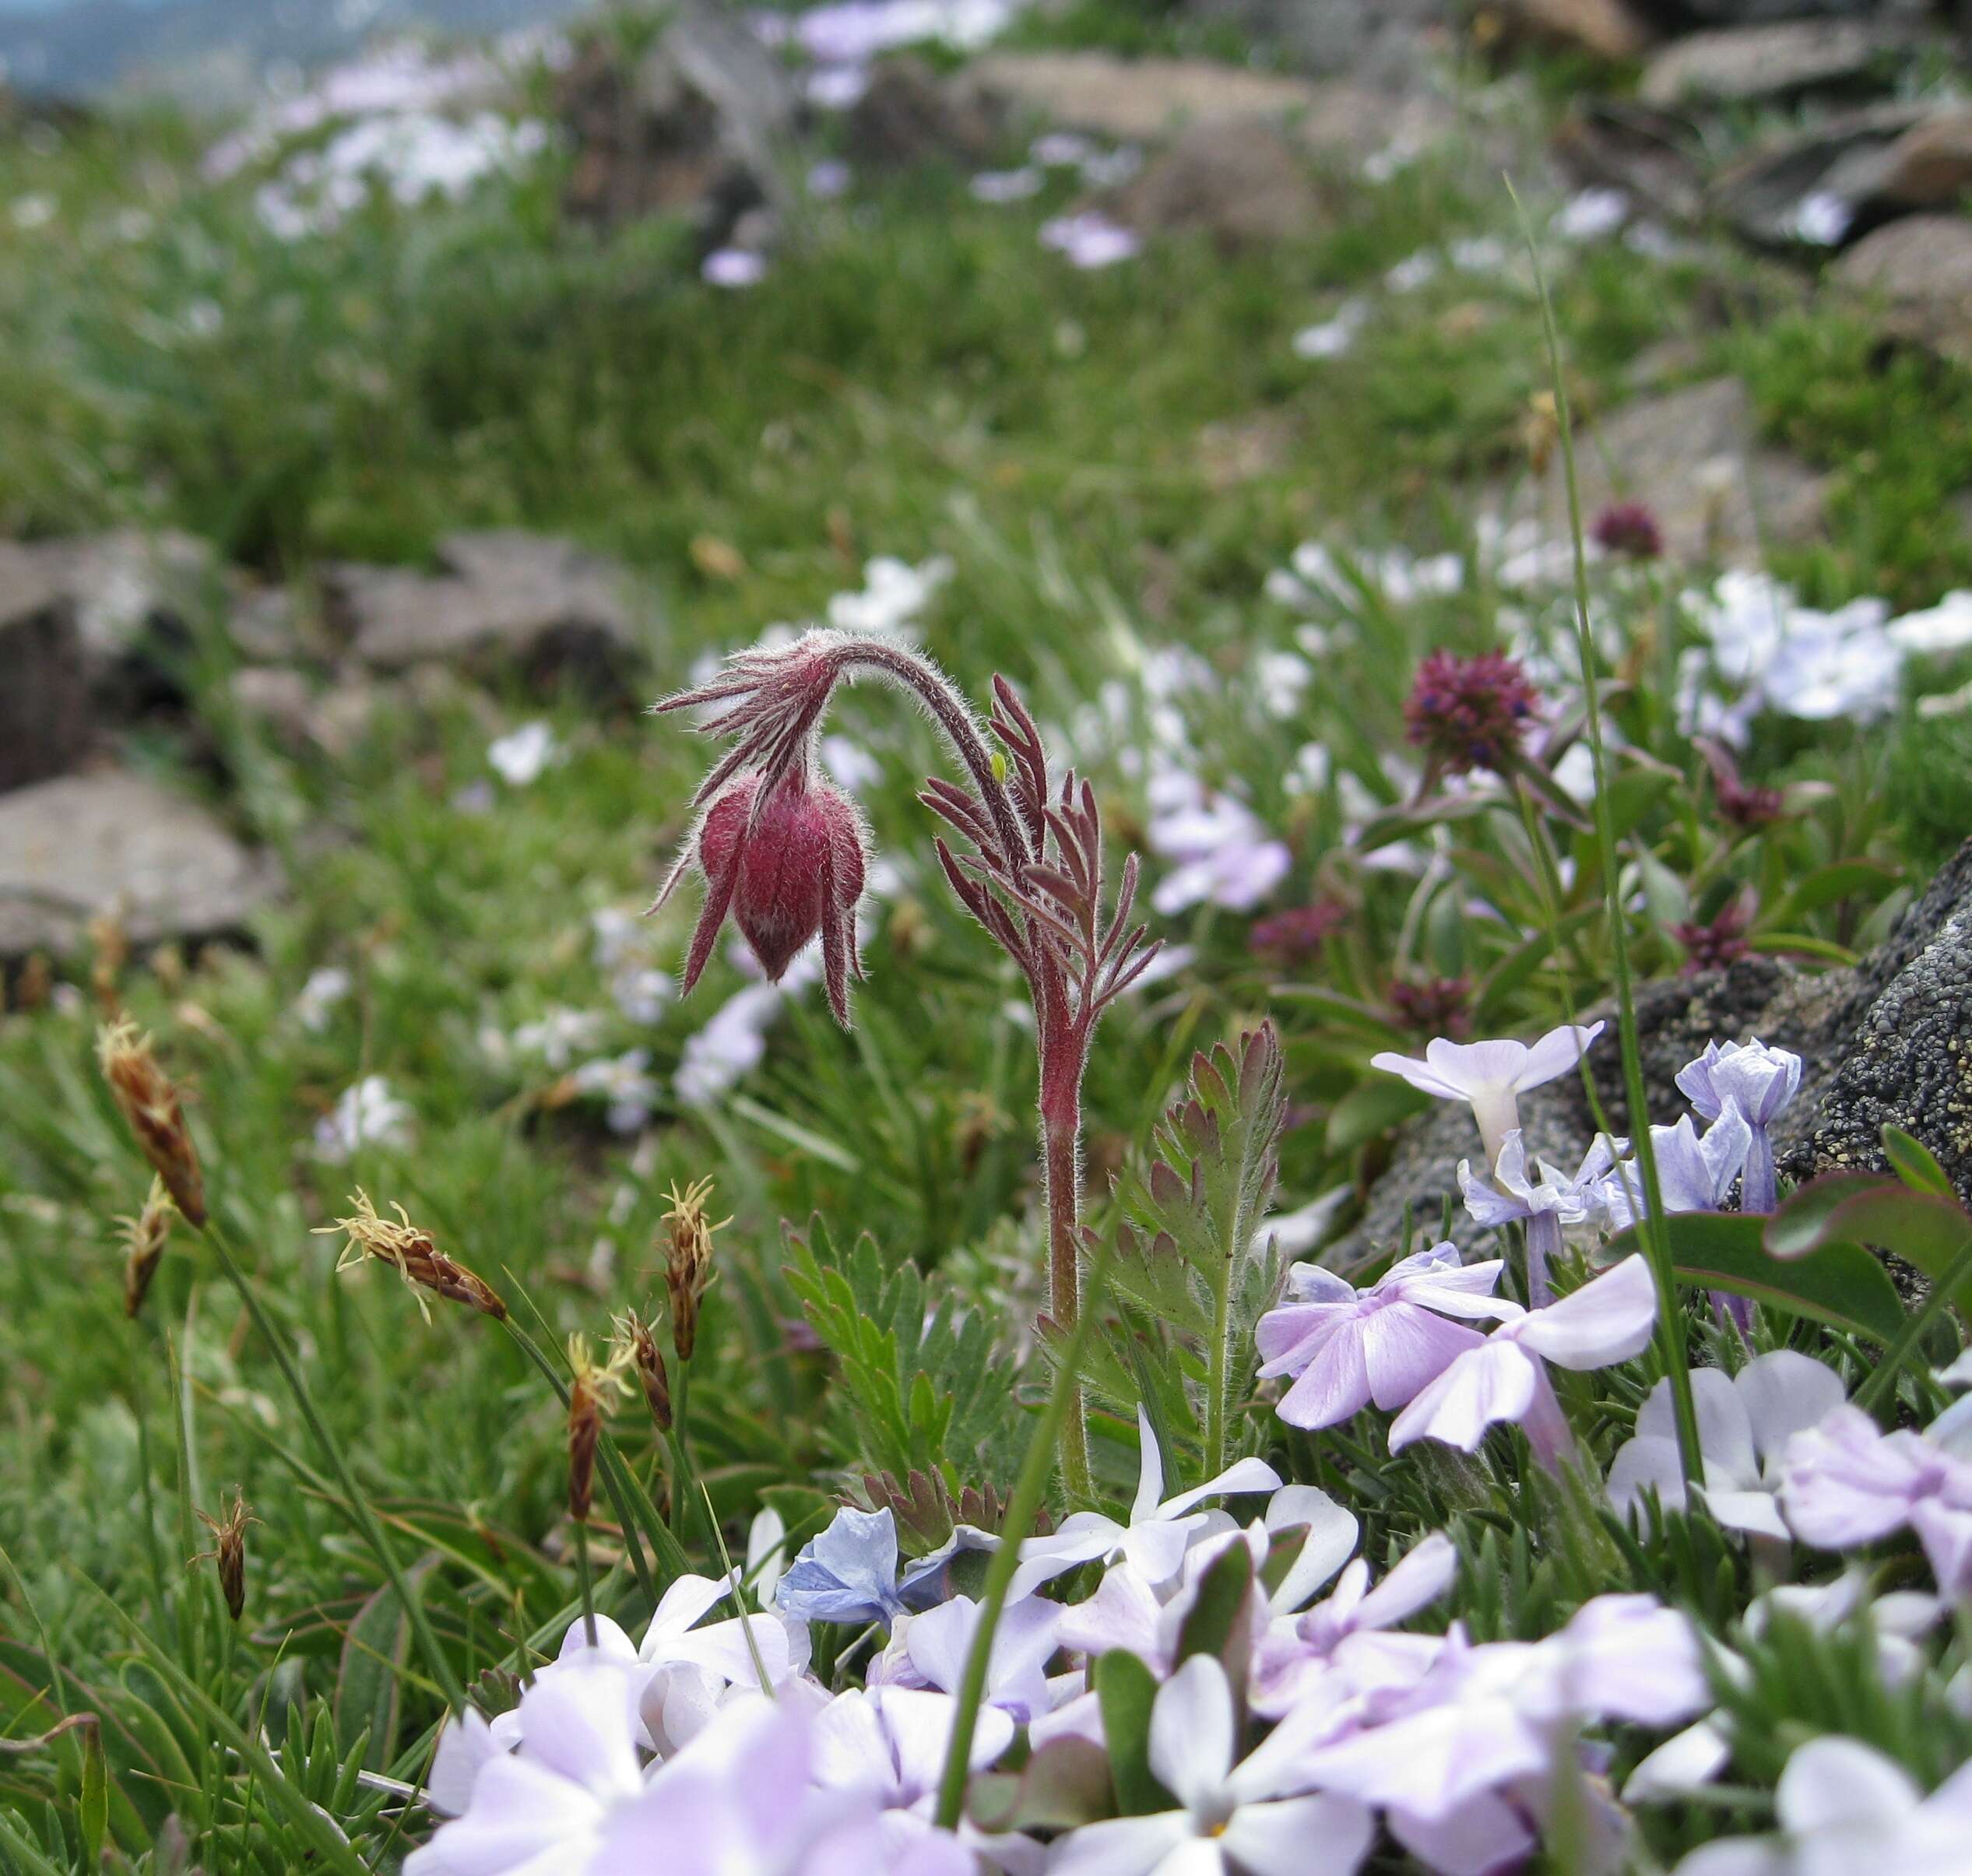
[[1543, 1205], [1760, 1082], [849, 1574]]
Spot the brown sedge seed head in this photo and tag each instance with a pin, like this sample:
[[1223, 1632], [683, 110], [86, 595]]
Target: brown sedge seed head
[[149, 1105], [229, 1552], [688, 1260], [414, 1253], [144, 1238], [646, 1360], [590, 1388]]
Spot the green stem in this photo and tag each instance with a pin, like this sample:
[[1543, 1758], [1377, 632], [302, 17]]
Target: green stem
[[1656, 1239], [681, 1466], [1026, 1501], [588, 1583], [1219, 1371], [435, 1658], [1883, 1379]]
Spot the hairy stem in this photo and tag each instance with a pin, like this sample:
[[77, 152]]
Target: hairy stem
[[1061, 1130]]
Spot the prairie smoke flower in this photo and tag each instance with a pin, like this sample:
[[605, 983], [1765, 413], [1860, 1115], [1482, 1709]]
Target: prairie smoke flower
[[1254, 1816], [1607, 1320], [1470, 713], [1744, 1425], [1508, 1196], [1492, 1076], [1844, 1809], [1159, 1530], [1760, 1082], [788, 861], [1296, 935], [1845, 1481], [1348, 1347], [1629, 528]]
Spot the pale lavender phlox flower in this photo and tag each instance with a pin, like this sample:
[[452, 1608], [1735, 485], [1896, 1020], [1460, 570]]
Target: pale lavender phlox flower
[[937, 1643], [1544, 1206], [1847, 1810], [576, 1768], [1349, 1347], [1745, 1422], [849, 1573], [1487, 1719], [1296, 1651], [1846, 1482], [1245, 1817], [1159, 1530], [1694, 1172], [1607, 1320], [1492, 1076], [1760, 1082]]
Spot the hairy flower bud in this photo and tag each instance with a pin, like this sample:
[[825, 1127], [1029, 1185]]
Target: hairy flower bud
[[787, 869], [149, 1104], [144, 1238]]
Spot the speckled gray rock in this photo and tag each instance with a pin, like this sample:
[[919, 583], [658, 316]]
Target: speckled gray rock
[[117, 844], [1886, 1041]]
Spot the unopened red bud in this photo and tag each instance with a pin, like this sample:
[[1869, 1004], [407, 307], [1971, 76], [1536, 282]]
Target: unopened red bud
[[787, 870]]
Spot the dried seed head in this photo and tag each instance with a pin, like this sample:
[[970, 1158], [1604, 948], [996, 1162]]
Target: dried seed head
[[144, 1238], [688, 1261], [229, 1552], [646, 1360], [149, 1104], [589, 1389], [416, 1256], [110, 945]]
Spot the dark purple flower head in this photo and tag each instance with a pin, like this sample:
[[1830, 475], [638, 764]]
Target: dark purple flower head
[[1629, 528], [1295, 935], [1468, 713], [1742, 804], [1432, 1006], [1713, 946]]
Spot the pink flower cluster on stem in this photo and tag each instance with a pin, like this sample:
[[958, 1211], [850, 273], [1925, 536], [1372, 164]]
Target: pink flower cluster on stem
[[781, 847]]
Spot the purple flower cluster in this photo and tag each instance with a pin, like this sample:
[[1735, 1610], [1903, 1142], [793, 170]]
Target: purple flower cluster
[[1471, 713]]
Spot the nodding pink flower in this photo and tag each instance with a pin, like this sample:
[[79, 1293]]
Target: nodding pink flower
[[1468, 713], [786, 868], [1629, 528]]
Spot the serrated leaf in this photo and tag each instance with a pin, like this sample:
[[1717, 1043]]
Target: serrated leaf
[[1126, 1690]]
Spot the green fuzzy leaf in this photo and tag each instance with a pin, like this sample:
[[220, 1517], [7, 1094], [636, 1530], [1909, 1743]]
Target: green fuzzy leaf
[[1125, 1690], [1915, 1164], [1841, 1284], [1928, 1232]]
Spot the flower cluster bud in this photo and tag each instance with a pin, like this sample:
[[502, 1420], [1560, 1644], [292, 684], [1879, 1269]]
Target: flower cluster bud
[[688, 1261], [144, 1241], [149, 1104], [414, 1253], [1468, 713], [787, 868]]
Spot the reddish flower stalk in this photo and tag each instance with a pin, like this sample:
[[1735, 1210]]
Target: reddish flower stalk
[[1030, 871]]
